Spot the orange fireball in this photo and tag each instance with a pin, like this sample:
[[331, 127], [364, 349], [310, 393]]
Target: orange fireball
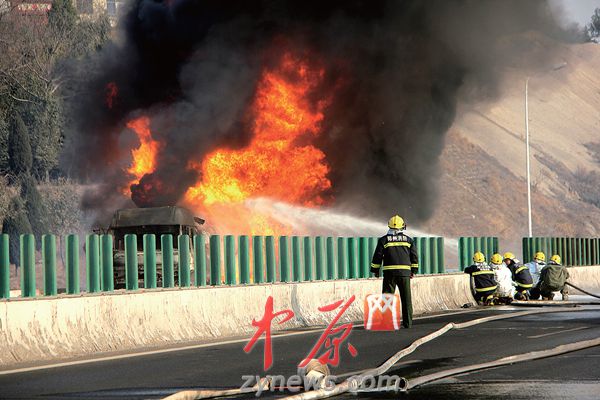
[[280, 162], [143, 157]]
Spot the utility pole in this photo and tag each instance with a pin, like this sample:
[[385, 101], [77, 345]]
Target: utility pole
[[527, 156], [528, 162]]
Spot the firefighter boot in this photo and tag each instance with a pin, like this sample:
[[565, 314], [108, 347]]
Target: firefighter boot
[[521, 296], [490, 302], [550, 297]]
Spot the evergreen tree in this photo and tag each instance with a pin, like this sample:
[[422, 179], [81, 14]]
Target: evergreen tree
[[4, 167], [44, 121], [62, 17], [19, 148], [15, 224], [34, 206], [593, 28]]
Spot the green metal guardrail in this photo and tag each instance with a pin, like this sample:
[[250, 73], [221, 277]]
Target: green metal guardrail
[[4, 267], [431, 255], [573, 251], [468, 245], [247, 260], [244, 260]]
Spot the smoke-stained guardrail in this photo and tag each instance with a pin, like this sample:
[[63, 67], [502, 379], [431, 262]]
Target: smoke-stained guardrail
[[244, 260], [573, 251]]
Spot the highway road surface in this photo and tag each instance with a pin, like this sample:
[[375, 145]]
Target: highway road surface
[[574, 375]]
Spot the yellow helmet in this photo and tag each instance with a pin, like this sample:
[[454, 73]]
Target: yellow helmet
[[539, 256], [478, 257], [496, 259], [556, 258], [396, 222], [508, 256]]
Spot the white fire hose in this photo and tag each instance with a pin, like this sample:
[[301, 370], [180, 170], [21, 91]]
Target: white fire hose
[[353, 383], [211, 393], [534, 355]]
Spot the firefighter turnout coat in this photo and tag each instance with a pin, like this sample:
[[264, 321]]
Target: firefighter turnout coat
[[553, 277], [504, 279], [395, 252], [521, 276], [483, 276]]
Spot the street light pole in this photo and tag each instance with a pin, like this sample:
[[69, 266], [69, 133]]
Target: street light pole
[[527, 151], [554, 68]]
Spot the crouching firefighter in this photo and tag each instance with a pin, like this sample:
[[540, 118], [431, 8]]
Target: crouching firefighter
[[505, 289], [484, 278], [552, 279], [396, 255], [520, 275], [535, 267]]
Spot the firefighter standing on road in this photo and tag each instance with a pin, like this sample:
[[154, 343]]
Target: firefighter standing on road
[[485, 280], [396, 255], [521, 276]]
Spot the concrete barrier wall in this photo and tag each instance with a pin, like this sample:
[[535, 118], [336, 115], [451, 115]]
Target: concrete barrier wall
[[63, 327], [55, 328], [587, 278]]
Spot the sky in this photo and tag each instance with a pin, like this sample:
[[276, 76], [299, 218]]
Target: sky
[[579, 11]]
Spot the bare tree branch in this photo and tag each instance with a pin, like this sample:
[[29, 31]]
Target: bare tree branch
[[19, 99]]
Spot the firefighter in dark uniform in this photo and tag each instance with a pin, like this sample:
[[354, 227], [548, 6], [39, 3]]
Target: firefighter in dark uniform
[[396, 255], [484, 278], [520, 275]]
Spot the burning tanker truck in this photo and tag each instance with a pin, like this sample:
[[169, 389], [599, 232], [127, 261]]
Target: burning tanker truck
[[159, 221], [216, 105]]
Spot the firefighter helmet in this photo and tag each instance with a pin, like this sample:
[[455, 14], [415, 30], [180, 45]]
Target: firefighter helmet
[[539, 256], [508, 256], [479, 257], [556, 258], [396, 222], [496, 259]]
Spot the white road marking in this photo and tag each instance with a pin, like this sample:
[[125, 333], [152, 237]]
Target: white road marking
[[558, 332]]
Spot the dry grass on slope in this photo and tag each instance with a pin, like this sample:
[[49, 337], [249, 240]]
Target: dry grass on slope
[[479, 196]]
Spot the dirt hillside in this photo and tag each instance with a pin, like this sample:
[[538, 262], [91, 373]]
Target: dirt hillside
[[483, 187]]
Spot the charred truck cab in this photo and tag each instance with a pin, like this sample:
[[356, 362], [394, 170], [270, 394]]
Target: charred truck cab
[[159, 221]]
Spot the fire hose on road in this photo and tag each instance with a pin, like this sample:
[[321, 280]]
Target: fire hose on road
[[353, 384], [583, 291], [534, 355], [544, 303]]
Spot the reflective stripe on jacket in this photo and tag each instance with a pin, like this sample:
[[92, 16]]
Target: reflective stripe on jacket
[[395, 252], [483, 276], [520, 275]]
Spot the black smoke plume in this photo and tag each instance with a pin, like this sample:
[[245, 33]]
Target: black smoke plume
[[396, 70]]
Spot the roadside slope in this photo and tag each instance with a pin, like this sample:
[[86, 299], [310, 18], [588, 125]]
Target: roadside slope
[[483, 186]]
